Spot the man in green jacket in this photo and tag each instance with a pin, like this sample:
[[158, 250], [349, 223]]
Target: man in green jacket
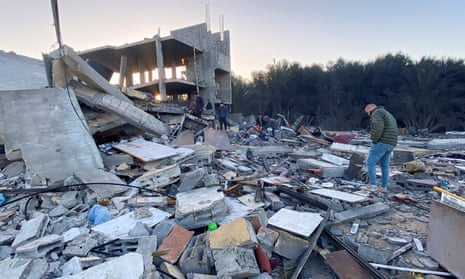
[[383, 130]]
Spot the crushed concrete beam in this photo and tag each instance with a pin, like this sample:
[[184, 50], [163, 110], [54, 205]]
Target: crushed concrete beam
[[76, 66], [361, 212], [124, 109]]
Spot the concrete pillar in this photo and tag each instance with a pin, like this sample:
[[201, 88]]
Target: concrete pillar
[[161, 69], [122, 70]]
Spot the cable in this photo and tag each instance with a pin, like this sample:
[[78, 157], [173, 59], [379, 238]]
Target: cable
[[61, 187]]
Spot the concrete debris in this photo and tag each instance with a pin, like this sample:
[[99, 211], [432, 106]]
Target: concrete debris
[[109, 181]]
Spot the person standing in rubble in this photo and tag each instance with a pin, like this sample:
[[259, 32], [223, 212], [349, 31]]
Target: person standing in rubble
[[383, 133], [222, 114], [271, 123], [199, 104]]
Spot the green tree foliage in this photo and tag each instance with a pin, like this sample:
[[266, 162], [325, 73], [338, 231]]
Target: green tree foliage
[[428, 94]]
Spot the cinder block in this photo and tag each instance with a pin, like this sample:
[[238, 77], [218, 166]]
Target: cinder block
[[195, 258]]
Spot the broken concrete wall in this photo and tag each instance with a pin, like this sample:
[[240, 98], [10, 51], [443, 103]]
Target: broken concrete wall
[[46, 128]]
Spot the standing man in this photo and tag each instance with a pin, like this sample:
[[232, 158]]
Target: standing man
[[199, 104], [222, 114], [383, 131]]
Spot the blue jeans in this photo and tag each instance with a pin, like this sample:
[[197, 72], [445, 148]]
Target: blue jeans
[[379, 152]]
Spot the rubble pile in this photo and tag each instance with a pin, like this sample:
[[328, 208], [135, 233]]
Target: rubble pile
[[165, 195]]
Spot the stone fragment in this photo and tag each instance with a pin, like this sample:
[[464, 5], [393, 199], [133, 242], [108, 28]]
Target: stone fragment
[[71, 267], [15, 268], [80, 246], [371, 254], [31, 229]]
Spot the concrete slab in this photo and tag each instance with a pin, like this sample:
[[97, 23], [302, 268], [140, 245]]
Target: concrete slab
[[184, 138], [121, 225], [339, 195], [57, 133], [145, 151], [333, 159], [300, 223]]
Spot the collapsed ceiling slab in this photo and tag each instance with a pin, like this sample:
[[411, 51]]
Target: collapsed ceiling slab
[[45, 128]]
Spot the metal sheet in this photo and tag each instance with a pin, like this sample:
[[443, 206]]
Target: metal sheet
[[218, 138], [345, 267], [445, 237]]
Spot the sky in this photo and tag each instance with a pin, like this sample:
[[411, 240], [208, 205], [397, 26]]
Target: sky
[[262, 32]]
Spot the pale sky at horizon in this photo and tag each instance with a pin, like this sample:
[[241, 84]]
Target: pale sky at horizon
[[262, 31]]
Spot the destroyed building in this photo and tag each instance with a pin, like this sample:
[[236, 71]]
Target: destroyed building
[[99, 181], [194, 60]]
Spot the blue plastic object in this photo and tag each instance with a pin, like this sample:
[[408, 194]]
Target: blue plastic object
[[2, 198], [98, 214]]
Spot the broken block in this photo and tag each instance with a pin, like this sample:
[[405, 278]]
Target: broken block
[[235, 262], [195, 258], [199, 207], [237, 233], [40, 247]]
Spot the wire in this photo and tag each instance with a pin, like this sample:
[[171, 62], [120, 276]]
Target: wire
[[62, 187]]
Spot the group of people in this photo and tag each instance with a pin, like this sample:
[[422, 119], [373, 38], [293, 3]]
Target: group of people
[[222, 111]]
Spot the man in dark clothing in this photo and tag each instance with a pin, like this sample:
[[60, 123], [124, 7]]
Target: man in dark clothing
[[383, 130], [222, 114], [199, 104], [271, 123], [209, 105]]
